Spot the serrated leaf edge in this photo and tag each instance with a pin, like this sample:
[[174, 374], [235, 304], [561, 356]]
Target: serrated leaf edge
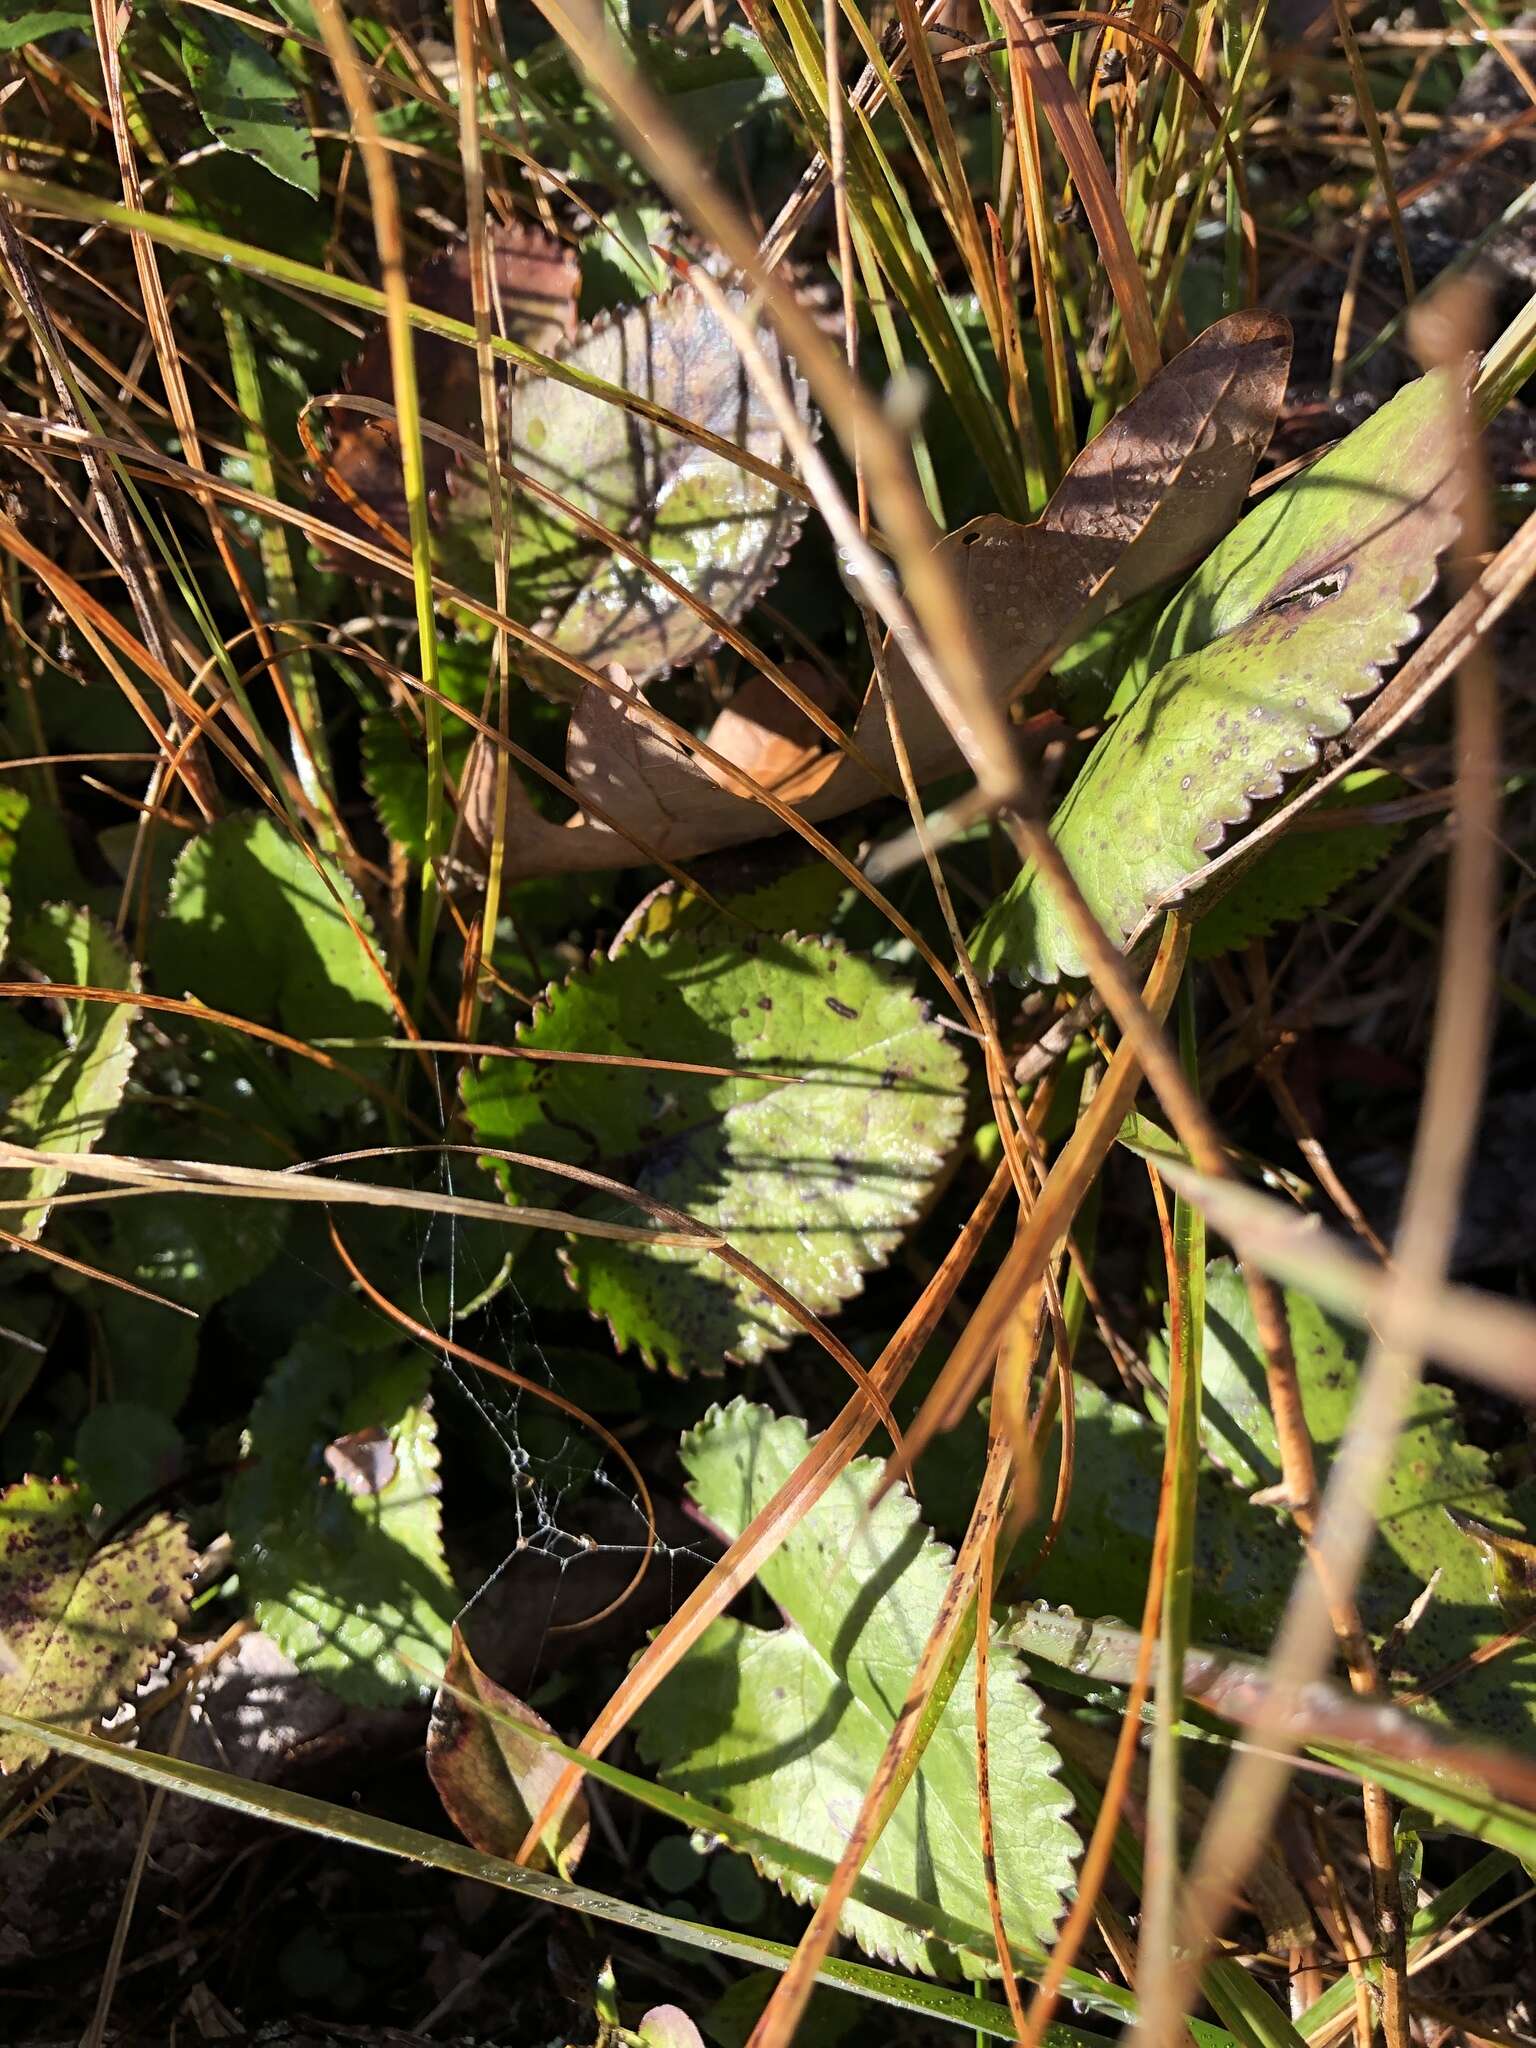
[[548, 620], [805, 1891], [600, 958]]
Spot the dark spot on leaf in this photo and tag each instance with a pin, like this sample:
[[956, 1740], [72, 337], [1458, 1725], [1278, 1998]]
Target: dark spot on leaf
[[840, 1009]]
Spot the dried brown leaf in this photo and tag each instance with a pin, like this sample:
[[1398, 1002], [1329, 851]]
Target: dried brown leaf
[[492, 1780], [1149, 496], [534, 284]]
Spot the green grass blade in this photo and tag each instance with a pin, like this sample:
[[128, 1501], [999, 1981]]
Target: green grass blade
[[312, 754], [336, 1823]]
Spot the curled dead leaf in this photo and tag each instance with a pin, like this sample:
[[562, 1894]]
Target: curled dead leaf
[[363, 1461], [491, 1777]]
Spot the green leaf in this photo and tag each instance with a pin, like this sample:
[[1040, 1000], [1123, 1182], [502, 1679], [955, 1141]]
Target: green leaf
[[1254, 665], [248, 101], [395, 774], [256, 928], [1247, 1555], [341, 1555], [492, 1778], [35, 22], [784, 1727], [193, 1250], [618, 262], [1451, 1800], [813, 1176], [328, 1820], [152, 1354], [82, 1624], [717, 529], [1307, 867], [62, 1093], [124, 1452], [712, 92]]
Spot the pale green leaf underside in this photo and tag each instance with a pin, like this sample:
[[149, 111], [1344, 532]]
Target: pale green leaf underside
[[813, 1178], [1253, 667], [783, 1728], [720, 531], [81, 1623], [352, 1586]]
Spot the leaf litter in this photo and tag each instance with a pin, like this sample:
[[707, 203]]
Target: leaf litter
[[1150, 495]]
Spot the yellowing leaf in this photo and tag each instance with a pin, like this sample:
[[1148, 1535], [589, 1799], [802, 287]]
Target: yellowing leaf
[[1255, 664], [82, 1624]]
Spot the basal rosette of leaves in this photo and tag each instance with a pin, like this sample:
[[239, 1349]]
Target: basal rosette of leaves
[[1255, 664], [812, 1154], [783, 1728]]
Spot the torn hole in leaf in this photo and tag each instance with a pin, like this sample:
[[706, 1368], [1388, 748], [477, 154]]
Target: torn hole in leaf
[[1307, 596]]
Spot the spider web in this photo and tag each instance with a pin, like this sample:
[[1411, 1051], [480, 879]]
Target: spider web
[[573, 1506]]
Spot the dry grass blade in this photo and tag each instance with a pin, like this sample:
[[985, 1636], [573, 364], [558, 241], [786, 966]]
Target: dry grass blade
[[260, 1184], [1488, 1340], [938, 1668], [390, 239], [169, 361], [685, 1230], [1365, 102], [85, 1271], [125, 544], [200, 1013], [270, 264], [1075, 138], [604, 722], [103, 627], [575, 852], [986, 1582], [1100, 1849], [1049, 1220]]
